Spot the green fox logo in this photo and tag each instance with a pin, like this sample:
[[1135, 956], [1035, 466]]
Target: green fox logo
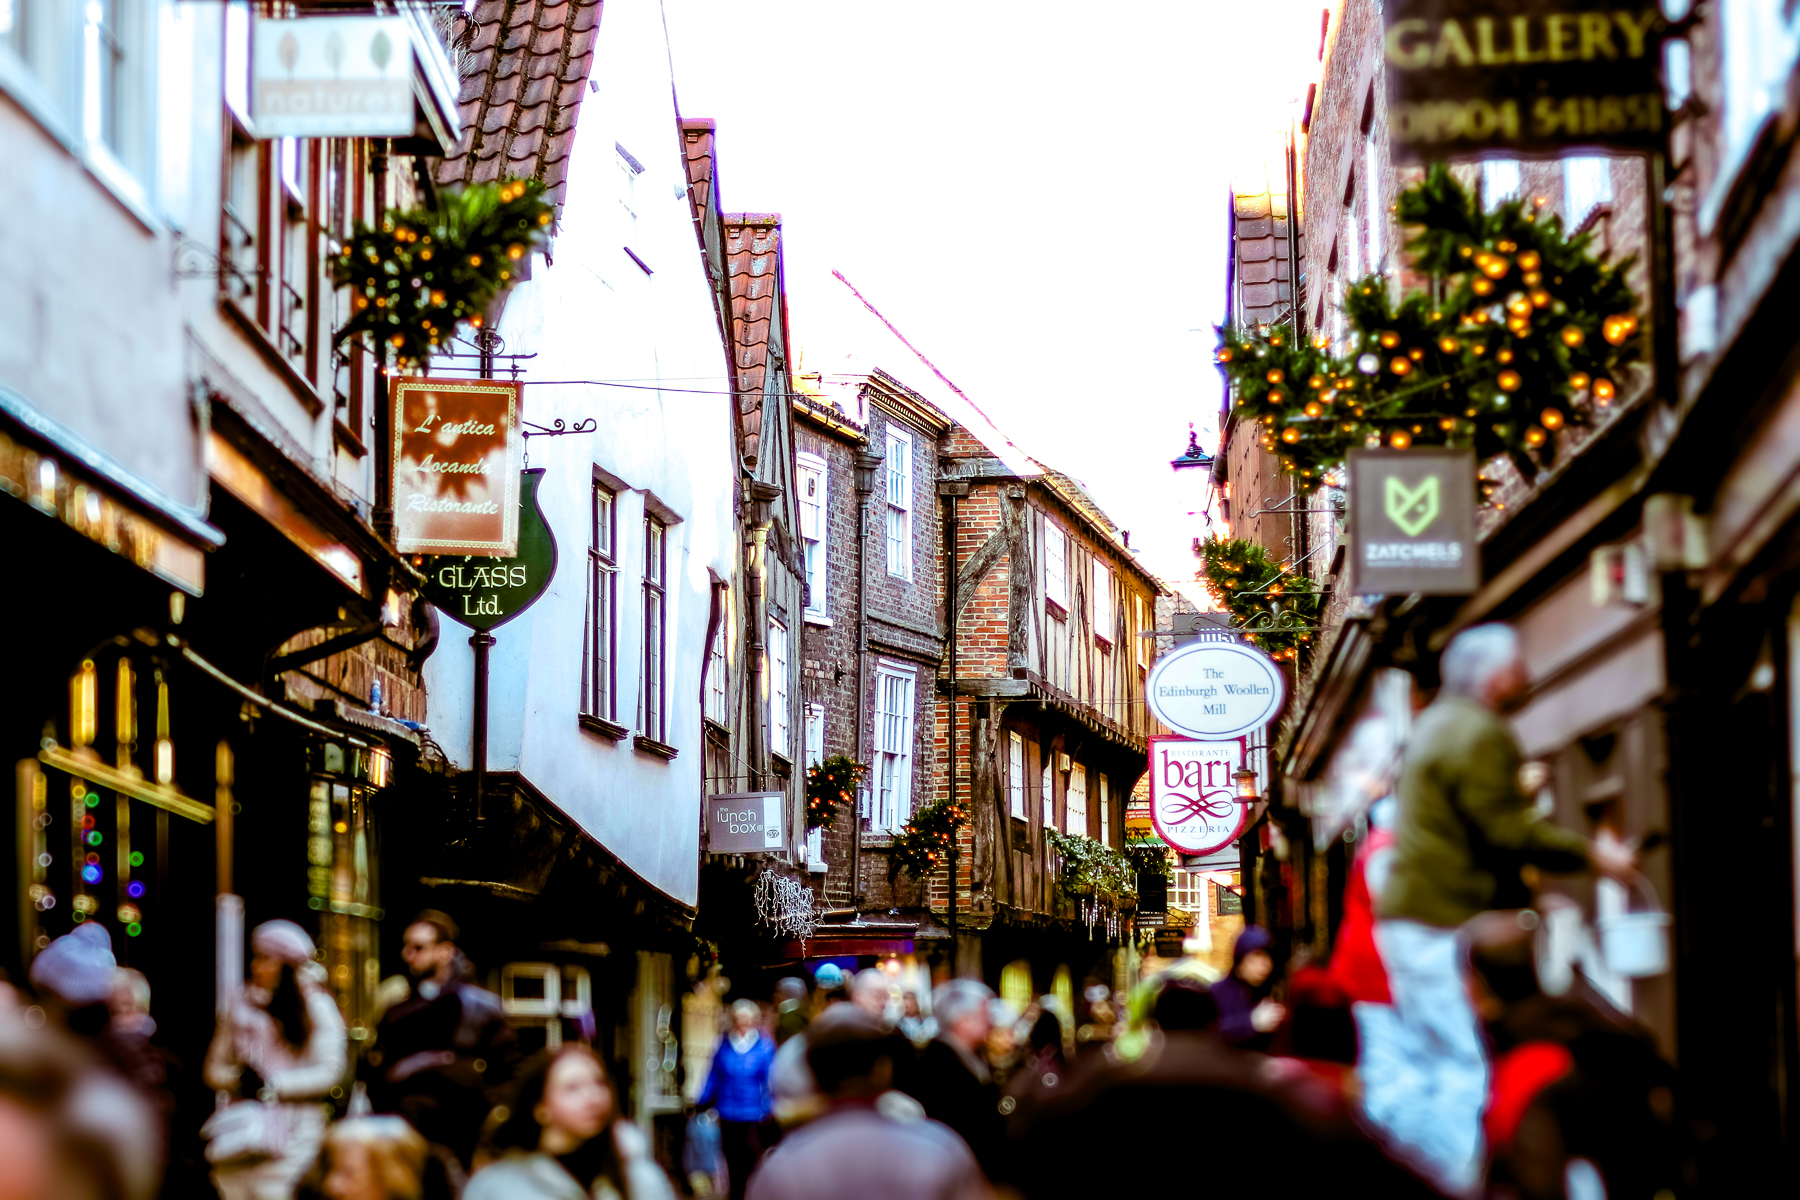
[[1412, 509]]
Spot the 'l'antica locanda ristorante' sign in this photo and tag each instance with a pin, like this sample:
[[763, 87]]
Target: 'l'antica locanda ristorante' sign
[[456, 460]]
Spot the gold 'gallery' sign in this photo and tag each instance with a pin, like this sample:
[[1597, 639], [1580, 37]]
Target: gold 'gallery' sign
[[457, 451], [1522, 77]]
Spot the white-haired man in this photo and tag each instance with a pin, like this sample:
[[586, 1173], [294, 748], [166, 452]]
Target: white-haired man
[[1464, 829], [951, 1078]]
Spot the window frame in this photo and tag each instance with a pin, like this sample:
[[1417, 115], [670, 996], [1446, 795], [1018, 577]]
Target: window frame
[[1056, 538], [899, 471], [716, 705], [815, 547], [895, 732], [1105, 614], [1015, 775], [1145, 646], [653, 696], [780, 651], [600, 674], [1076, 772], [1105, 809], [1047, 788]]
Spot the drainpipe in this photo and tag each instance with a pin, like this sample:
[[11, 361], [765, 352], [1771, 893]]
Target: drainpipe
[[868, 470], [381, 518], [951, 491]]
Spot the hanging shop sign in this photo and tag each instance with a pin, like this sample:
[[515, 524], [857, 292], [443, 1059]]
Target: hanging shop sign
[[330, 76], [457, 452], [1216, 690], [1193, 797], [1412, 522], [745, 822], [483, 592], [1522, 77]]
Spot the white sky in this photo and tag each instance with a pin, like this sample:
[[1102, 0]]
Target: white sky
[[1034, 193]]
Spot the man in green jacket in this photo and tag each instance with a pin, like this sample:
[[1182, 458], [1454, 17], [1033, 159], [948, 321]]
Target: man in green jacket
[[1465, 828]]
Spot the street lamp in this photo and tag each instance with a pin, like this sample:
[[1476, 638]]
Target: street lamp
[[1193, 456], [1245, 778]]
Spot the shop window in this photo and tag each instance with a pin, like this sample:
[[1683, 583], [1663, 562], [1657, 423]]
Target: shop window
[[1500, 181], [546, 1003], [1075, 806], [899, 504], [1373, 216], [652, 686], [1587, 184], [779, 693], [810, 476], [600, 690], [1187, 891], [893, 747]]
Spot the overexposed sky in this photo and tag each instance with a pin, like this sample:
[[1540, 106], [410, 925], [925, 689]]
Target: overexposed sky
[[1035, 194]]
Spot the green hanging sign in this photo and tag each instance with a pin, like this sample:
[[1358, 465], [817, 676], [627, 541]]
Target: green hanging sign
[[483, 592]]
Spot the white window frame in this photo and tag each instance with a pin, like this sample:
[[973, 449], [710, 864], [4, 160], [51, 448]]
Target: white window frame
[[1587, 184], [1502, 179], [1187, 891], [1056, 564], [1015, 774], [1075, 811], [811, 472], [899, 503], [1047, 786], [894, 720], [1105, 812], [718, 667], [653, 661], [1144, 645], [814, 734], [780, 718], [1104, 617]]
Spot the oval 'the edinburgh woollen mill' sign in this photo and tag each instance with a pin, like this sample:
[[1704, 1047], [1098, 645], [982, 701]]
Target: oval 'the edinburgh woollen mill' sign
[[1216, 690], [483, 592]]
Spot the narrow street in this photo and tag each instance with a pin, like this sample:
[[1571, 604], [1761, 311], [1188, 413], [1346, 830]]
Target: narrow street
[[785, 600]]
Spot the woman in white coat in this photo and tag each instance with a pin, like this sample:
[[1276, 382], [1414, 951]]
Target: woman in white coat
[[276, 1056]]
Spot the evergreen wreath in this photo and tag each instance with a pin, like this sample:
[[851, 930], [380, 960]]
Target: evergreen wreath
[[425, 271], [1251, 583], [923, 843], [829, 784], [1519, 333]]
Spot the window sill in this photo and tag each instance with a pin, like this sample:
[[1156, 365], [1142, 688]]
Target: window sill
[[816, 867], [650, 745], [265, 345], [818, 619], [348, 440], [716, 730], [1056, 610], [1103, 644], [603, 727], [782, 762]]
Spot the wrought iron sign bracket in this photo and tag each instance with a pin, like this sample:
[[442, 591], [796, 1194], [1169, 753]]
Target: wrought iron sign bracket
[[556, 428]]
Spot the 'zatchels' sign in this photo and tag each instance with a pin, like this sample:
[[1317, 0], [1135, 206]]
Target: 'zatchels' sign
[[457, 449], [1521, 77], [1412, 522]]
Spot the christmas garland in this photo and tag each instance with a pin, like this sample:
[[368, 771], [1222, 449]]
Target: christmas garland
[[425, 271], [1520, 333], [829, 784], [1260, 594], [923, 843], [1092, 870]]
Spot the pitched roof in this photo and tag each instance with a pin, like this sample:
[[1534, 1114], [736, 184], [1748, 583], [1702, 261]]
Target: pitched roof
[[697, 145], [524, 69], [753, 266]]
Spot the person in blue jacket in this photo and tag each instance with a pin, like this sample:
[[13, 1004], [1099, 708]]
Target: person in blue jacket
[[738, 1087]]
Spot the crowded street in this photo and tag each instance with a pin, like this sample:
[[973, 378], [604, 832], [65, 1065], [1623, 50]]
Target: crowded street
[[972, 600]]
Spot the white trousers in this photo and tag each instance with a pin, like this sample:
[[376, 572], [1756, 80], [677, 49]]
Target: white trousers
[[1424, 1069]]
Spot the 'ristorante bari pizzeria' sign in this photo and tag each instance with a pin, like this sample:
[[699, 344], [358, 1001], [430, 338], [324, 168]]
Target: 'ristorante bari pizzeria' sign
[[457, 452], [1521, 77]]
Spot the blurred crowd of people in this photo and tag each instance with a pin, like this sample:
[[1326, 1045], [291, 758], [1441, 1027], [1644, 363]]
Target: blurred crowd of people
[[1423, 1058]]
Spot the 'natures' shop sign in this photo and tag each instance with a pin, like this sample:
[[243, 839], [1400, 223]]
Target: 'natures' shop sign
[[1521, 76], [457, 451]]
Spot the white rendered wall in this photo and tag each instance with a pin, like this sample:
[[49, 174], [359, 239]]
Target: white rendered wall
[[595, 315]]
